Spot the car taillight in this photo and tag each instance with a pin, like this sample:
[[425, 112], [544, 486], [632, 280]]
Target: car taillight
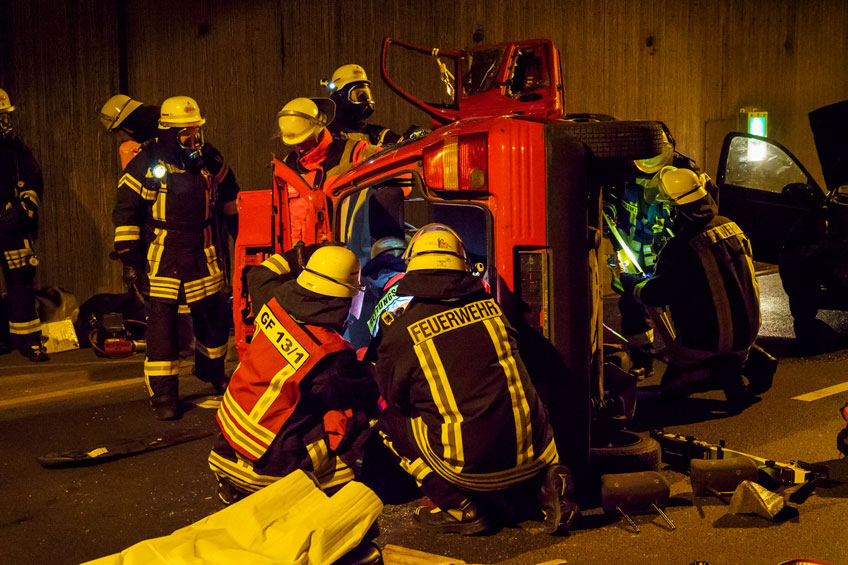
[[458, 163], [533, 289]]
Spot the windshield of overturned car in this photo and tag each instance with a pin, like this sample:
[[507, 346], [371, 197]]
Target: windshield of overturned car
[[479, 70], [756, 163]]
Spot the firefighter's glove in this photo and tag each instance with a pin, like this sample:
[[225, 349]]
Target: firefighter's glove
[[134, 276], [15, 221], [629, 282]]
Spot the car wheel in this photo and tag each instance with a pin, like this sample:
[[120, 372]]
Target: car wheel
[[618, 139], [624, 452]]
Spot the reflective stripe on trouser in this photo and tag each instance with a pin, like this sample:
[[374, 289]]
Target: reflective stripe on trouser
[[24, 324], [328, 469], [161, 367], [210, 319]]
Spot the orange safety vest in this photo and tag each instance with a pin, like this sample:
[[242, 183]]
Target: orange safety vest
[[265, 388]]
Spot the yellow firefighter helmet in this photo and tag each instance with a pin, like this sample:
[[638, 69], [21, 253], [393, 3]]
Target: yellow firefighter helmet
[[387, 244], [347, 74], [303, 118], [116, 110], [681, 186], [436, 246], [5, 103], [332, 271], [180, 112]]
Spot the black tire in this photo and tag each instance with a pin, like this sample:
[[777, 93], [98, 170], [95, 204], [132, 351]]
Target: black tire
[[618, 139], [625, 452]]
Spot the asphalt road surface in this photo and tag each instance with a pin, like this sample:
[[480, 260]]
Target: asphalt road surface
[[75, 401]]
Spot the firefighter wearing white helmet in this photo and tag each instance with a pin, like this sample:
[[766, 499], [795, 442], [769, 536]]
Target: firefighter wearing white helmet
[[133, 121], [21, 186], [175, 200], [460, 404], [705, 277], [316, 156], [350, 89], [315, 420]]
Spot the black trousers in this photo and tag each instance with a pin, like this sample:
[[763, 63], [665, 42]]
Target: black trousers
[[211, 328], [514, 504], [24, 324]]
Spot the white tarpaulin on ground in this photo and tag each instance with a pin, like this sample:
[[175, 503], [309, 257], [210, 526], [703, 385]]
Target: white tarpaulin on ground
[[289, 522]]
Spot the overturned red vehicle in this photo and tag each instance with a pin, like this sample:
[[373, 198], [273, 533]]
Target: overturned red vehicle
[[518, 179]]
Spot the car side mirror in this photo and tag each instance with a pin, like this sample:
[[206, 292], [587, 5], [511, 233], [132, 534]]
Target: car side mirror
[[803, 194]]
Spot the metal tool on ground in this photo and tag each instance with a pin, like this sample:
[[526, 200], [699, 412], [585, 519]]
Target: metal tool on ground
[[678, 450], [718, 476], [635, 493], [116, 449]]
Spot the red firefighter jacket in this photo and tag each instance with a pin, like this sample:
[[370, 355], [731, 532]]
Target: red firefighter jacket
[[265, 388]]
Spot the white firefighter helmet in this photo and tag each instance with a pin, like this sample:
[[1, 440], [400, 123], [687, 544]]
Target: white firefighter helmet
[[303, 118], [116, 110], [180, 112], [436, 246], [332, 271], [387, 244], [347, 74], [5, 103], [681, 186], [657, 162]]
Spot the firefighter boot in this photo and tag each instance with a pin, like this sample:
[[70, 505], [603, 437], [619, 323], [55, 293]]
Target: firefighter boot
[[556, 500], [166, 407], [34, 352], [466, 519]]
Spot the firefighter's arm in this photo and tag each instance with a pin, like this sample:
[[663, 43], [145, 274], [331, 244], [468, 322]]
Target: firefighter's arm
[[346, 383], [231, 218], [134, 195], [265, 280], [668, 281], [30, 184], [391, 377]]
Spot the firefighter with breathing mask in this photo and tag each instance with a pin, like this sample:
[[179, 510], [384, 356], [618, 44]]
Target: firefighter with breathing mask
[[705, 276], [350, 89], [462, 416], [21, 186], [171, 194], [299, 399]]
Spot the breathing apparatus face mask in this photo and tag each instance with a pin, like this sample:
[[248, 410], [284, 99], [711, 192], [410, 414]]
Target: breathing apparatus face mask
[[358, 105], [5, 124], [191, 141]]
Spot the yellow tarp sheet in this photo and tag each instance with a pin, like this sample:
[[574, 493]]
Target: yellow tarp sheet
[[289, 522]]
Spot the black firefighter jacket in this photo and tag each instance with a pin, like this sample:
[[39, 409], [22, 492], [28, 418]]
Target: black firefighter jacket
[[450, 364], [705, 275]]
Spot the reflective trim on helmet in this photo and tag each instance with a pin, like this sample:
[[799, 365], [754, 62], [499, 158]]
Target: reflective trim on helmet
[[358, 288]]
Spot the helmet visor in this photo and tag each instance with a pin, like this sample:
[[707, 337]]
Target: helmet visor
[[360, 94]]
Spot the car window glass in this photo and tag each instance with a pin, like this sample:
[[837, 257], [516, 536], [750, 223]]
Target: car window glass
[[754, 163], [364, 220], [479, 69]]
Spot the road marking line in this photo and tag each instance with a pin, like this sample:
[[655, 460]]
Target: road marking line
[[69, 392], [822, 393]]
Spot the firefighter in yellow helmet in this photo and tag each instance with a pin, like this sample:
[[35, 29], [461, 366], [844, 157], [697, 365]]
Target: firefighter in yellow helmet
[[643, 221], [705, 276], [462, 416], [316, 419], [21, 186], [315, 154], [170, 199], [350, 89]]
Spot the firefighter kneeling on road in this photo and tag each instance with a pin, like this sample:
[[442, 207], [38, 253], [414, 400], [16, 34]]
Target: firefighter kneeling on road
[[705, 276], [299, 399], [462, 416], [172, 193]]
